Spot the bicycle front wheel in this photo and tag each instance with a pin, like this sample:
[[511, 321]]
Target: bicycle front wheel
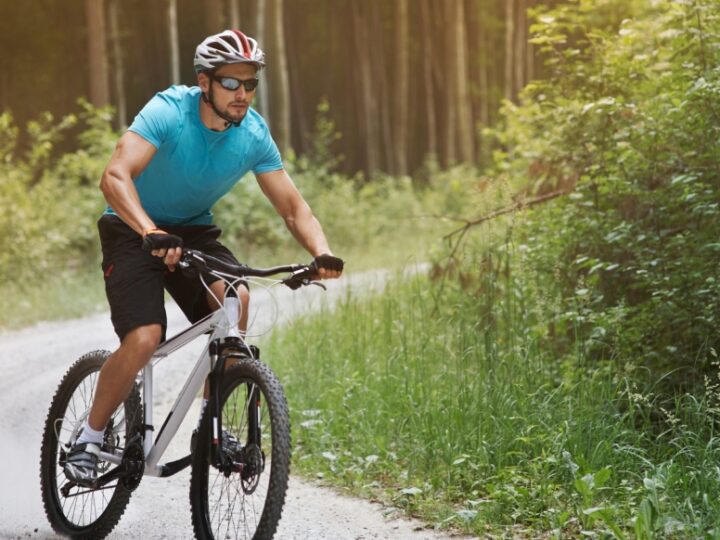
[[72, 510], [243, 501]]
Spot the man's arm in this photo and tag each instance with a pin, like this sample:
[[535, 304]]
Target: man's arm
[[299, 219], [132, 154]]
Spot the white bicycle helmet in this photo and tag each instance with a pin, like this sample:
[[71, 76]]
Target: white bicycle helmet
[[228, 47]]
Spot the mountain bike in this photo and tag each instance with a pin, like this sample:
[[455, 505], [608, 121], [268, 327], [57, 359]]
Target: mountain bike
[[240, 454]]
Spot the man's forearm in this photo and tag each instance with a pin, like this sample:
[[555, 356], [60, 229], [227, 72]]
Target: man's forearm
[[307, 230]]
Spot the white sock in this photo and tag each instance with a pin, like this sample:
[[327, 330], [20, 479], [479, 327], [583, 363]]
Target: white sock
[[90, 435]]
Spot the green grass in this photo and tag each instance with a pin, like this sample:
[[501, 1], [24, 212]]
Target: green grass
[[445, 405], [65, 294], [71, 293]]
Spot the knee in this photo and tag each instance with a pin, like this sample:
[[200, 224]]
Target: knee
[[142, 342]]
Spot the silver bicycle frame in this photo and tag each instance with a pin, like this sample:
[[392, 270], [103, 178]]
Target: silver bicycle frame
[[220, 324]]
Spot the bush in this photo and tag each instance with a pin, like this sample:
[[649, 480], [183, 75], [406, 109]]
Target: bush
[[51, 200], [627, 120]]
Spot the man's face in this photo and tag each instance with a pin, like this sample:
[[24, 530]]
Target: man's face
[[233, 103]]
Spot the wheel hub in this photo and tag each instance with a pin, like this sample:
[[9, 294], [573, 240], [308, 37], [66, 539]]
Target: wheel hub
[[254, 461]]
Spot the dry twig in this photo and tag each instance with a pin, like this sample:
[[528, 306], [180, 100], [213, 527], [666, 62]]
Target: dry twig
[[520, 205]]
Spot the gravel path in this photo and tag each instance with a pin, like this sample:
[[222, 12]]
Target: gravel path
[[159, 509]]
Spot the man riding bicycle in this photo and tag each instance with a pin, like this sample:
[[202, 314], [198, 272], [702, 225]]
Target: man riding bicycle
[[185, 149]]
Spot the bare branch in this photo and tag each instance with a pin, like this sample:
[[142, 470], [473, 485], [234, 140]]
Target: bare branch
[[520, 205]]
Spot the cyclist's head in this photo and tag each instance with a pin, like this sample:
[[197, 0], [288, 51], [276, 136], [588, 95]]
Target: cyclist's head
[[228, 47]]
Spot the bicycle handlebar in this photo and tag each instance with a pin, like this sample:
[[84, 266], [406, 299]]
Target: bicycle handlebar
[[302, 274]]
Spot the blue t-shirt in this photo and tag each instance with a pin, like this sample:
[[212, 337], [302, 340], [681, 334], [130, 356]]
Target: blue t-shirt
[[194, 166]]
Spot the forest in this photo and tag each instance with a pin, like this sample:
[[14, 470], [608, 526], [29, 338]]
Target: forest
[[556, 162], [403, 80]]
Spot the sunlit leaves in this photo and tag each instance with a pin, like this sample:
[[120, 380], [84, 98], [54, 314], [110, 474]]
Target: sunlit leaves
[[636, 115]]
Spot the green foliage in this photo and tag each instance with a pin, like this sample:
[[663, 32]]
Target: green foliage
[[441, 398], [630, 119], [361, 217], [50, 201], [519, 393]]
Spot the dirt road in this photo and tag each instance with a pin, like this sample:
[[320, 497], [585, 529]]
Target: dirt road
[[33, 361]]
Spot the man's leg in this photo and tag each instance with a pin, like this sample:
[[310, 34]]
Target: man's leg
[[118, 374], [115, 381]]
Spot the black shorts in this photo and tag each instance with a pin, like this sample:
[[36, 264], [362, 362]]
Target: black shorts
[[135, 279]]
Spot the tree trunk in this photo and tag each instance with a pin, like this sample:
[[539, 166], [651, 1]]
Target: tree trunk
[[428, 67], [298, 112], [383, 103], [264, 86], [484, 77], [214, 16], [370, 136], [174, 42], [402, 85], [530, 52], [448, 30], [520, 46], [478, 44], [234, 14], [118, 66], [509, 55], [281, 110], [465, 122], [97, 51]]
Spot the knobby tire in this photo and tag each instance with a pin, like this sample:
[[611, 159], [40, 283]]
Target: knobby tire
[[220, 506], [69, 406]]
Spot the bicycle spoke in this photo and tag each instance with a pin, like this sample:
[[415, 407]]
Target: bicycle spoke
[[73, 510], [234, 513]]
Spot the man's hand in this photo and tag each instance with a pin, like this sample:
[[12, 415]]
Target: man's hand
[[328, 266], [162, 244]]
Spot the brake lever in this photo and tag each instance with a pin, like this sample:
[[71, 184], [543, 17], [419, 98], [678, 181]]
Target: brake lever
[[296, 284], [198, 261], [323, 287]]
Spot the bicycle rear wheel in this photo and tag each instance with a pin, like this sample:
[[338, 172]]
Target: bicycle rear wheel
[[246, 503], [72, 510]]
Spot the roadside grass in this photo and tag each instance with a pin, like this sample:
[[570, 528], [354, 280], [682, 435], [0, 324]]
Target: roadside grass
[[75, 292], [64, 294], [439, 399]]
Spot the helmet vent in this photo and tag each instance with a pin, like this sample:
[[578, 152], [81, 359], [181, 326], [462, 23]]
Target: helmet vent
[[228, 47]]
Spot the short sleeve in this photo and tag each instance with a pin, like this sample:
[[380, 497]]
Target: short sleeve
[[157, 120], [268, 156]]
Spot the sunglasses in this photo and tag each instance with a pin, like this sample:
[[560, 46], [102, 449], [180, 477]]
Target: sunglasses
[[231, 83]]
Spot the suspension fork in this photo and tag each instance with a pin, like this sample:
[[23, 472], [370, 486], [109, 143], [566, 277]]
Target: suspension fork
[[254, 434], [217, 348], [217, 352]]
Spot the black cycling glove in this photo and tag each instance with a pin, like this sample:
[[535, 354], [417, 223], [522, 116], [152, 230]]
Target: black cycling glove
[[328, 262], [159, 239]]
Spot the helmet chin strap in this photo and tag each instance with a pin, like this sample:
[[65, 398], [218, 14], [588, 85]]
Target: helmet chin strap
[[210, 101]]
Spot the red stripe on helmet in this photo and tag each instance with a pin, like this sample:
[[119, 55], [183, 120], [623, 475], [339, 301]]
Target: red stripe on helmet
[[245, 43]]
